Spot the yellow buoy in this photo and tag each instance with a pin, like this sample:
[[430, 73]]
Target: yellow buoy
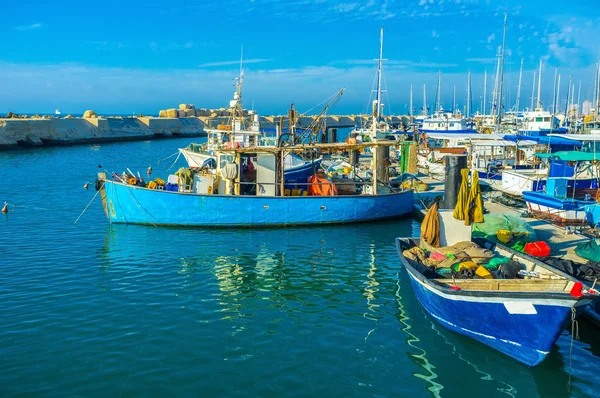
[[5, 208]]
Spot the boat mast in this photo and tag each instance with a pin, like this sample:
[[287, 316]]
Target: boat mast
[[438, 94], [595, 98], [531, 109], [597, 88], [539, 93], [519, 86], [568, 99], [578, 99], [236, 103], [502, 73], [496, 84], [557, 96], [484, 92], [454, 100], [410, 110], [468, 94], [377, 107], [424, 100], [554, 91]]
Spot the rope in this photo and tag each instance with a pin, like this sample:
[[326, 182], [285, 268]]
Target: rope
[[170, 156], [173, 164], [146, 214], [86, 207], [574, 336], [135, 363]]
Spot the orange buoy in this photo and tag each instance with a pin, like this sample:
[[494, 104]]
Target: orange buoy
[[86, 186], [5, 208], [149, 170]]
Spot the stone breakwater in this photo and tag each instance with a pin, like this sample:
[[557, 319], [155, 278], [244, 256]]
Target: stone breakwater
[[24, 132], [15, 133]]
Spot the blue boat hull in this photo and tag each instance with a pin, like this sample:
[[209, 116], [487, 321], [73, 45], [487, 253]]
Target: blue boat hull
[[136, 205], [528, 338], [523, 325]]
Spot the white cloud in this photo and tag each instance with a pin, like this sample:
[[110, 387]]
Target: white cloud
[[345, 7], [491, 38], [435, 34], [29, 27]]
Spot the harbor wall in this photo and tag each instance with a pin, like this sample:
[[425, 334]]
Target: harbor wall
[[15, 133], [25, 132]]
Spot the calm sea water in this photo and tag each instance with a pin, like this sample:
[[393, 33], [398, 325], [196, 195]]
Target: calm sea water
[[90, 309]]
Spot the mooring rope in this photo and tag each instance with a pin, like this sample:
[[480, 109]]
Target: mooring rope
[[86, 207], [574, 336]]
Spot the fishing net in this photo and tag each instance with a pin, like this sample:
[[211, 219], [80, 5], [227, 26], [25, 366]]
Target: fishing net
[[506, 229]]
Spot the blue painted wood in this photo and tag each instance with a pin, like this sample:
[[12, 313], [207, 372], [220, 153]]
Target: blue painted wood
[[136, 205], [543, 199], [485, 316]]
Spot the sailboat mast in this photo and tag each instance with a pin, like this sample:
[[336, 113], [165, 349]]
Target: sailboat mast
[[539, 93], [484, 92], [424, 101], [578, 99], [533, 92], [410, 110], [554, 91], [379, 74], [597, 88], [469, 93], [502, 73], [439, 88], [568, 99], [454, 100], [557, 96], [519, 86]]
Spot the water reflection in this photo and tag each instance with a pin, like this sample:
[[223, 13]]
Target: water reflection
[[421, 358]]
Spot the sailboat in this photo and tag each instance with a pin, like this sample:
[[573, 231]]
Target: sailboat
[[378, 128], [443, 121], [540, 122]]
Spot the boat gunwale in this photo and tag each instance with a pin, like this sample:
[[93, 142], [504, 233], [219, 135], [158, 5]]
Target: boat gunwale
[[254, 196], [446, 289]]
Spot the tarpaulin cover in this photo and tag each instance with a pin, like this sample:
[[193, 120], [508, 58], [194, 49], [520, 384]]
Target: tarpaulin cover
[[321, 186]]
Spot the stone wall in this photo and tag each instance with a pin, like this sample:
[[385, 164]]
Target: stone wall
[[16, 133]]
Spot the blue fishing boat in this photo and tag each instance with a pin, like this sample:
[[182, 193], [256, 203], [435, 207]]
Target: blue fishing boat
[[571, 186], [234, 195], [521, 318]]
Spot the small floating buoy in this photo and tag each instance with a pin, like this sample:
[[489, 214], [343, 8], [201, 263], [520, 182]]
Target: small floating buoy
[[5, 208], [86, 186], [149, 170], [99, 166]]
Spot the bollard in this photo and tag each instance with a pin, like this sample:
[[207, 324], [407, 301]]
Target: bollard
[[383, 162], [454, 164]]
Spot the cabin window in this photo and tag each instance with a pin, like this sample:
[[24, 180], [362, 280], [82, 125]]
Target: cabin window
[[539, 119], [225, 159], [451, 124], [546, 119]]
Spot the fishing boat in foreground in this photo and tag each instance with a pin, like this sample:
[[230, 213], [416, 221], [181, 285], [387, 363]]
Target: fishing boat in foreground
[[521, 318], [248, 189]]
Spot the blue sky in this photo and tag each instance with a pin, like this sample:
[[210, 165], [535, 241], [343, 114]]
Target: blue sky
[[142, 56]]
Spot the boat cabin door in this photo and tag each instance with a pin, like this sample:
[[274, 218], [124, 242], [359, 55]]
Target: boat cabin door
[[266, 174]]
